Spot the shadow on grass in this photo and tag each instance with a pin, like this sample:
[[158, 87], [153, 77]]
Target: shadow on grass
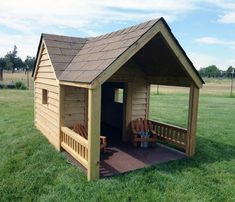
[[207, 152]]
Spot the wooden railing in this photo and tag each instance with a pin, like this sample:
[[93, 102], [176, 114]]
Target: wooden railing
[[170, 134], [75, 145]]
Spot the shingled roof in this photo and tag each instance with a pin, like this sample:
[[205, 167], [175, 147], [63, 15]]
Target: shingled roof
[[83, 59], [99, 52], [62, 50]]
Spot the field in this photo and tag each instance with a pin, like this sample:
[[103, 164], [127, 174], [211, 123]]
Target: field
[[9, 77], [31, 169], [219, 87], [213, 86]]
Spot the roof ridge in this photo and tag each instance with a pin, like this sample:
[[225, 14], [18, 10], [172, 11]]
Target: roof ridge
[[131, 28], [58, 35]]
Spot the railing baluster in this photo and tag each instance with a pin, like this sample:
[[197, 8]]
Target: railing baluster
[[86, 154]]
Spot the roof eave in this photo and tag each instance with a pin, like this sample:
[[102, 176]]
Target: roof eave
[[38, 51]]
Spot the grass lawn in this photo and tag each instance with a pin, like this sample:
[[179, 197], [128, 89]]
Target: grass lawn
[[31, 169]]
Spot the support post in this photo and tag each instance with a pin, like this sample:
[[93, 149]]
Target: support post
[[128, 111], [148, 100], [94, 107], [61, 111], [231, 91], [192, 120]]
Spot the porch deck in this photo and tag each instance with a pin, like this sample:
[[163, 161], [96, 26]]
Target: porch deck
[[120, 158], [123, 157]]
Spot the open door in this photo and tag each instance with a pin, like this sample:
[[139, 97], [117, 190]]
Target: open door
[[113, 110]]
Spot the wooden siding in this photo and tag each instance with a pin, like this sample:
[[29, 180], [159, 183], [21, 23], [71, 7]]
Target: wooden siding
[[75, 106], [47, 115], [139, 98]]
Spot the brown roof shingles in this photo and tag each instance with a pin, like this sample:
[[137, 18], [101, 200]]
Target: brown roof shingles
[[83, 59], [62, 50]]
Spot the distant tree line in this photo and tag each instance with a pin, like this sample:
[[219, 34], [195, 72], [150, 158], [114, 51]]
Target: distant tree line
[[213, 71], [11, 61]]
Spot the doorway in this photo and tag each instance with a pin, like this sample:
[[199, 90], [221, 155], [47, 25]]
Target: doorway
[[113, 99]]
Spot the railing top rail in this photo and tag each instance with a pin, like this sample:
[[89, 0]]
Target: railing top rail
[[75, 136], [169, 125]]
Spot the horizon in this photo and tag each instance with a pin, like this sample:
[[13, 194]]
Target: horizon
[[204, 28]]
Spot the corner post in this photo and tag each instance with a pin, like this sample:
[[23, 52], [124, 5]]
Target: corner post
[[192, 120], [94, 107]]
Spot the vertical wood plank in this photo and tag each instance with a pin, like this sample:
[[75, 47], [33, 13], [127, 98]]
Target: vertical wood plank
[[192, 120], [94, 107]]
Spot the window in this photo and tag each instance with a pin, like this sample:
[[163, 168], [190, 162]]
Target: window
[[118, 95], [44, 96]]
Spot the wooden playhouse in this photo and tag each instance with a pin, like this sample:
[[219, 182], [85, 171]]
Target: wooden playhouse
[[105, 81]]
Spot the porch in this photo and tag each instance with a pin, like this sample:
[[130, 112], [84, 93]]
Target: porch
[[122, 157]]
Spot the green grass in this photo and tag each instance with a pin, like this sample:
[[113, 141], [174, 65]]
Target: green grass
[[31, 169]]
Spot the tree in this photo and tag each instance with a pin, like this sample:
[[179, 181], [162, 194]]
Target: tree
[[13, 61], [210, 71], [29, 62], [202, 71], [229, 71], [2, 63]]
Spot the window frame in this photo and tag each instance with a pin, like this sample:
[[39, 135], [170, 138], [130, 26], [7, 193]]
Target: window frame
[[44, 96], [119, 95]]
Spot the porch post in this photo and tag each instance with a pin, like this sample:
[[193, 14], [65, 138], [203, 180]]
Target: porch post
[[192, 120], [61, 111], [94, 107], [128, 111]]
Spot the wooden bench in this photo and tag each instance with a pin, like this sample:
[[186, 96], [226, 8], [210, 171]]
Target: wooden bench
[[81, 130], [142, 125]]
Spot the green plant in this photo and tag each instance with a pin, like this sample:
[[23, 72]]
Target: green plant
[[20, 85]]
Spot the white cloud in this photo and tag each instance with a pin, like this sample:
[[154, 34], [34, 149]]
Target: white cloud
[[228, 10], [228, 17], [77, 14], [26, 44], [29, 18], [215, 41], [203, 60], [208, 40], [73, 13]]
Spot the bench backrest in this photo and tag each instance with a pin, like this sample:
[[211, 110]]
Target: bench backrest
[[81, 130], [141, 125]]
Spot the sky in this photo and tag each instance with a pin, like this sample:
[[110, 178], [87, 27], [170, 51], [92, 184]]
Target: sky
[[204, 28]]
